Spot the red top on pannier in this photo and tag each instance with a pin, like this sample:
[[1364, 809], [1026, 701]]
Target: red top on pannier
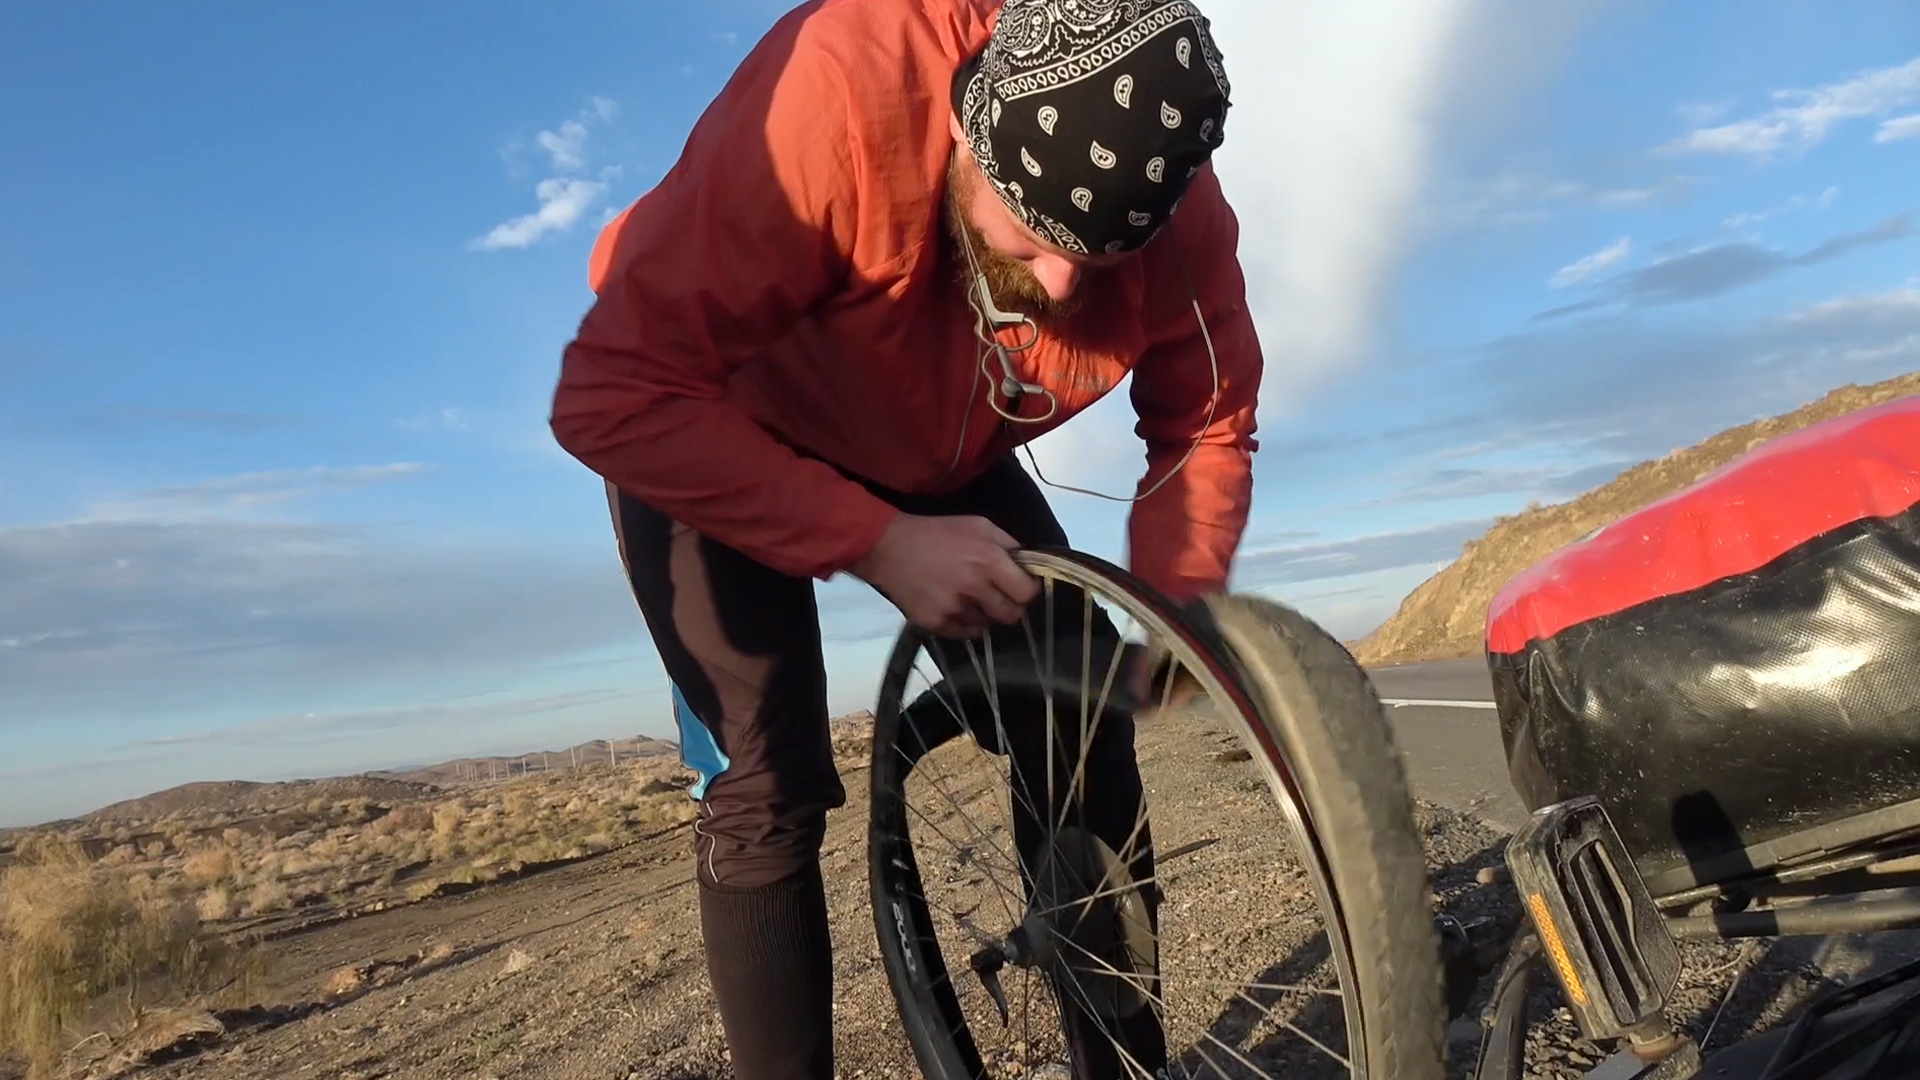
[[1736, 519]]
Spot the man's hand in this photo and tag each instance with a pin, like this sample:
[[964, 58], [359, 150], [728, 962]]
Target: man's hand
[[1155, 679], [949, 575]]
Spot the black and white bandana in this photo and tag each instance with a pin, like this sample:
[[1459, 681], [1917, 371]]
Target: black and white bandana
[[1091, 117]]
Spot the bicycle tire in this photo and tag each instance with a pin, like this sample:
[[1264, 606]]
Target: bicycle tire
[[1246, 649], [1320, 704]]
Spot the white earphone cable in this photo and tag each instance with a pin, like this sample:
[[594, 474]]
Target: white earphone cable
[[986, 314]]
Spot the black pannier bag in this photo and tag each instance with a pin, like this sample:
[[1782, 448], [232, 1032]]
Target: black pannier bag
[[1734, 671]]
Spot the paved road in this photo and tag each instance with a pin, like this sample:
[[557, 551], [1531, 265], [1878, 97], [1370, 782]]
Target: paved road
[[1453, 751]]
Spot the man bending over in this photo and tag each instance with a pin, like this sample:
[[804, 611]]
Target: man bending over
[[908, 237]]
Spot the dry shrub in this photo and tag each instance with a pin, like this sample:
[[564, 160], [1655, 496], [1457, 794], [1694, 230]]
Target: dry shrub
[[660, 811], [72, 933], [415, 817], [216, 904], [447, 818], [268, 896], [210, 865], [267, 866], [384, 825]]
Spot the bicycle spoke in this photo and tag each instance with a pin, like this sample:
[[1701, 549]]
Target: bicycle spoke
[[1098, 919]]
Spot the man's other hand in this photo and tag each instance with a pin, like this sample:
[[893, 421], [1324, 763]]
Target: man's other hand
[[953, 576], [1156, 681]]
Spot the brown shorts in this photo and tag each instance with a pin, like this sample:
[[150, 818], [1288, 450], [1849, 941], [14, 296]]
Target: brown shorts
[[741, 646]]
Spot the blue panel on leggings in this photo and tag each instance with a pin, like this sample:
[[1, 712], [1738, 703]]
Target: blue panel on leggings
[[698, 751]]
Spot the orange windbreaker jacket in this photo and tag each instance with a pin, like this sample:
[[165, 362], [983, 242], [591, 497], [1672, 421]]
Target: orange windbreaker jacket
[[786, 297]]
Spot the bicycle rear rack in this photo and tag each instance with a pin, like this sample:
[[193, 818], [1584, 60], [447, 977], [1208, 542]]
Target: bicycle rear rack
[[1882, 1029]]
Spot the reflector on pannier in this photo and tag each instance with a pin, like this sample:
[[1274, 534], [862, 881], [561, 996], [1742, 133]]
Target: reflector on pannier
[[1735, 663]]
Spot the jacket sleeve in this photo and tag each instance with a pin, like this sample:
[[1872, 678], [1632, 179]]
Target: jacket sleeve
[[755, 224], [1182, 538]]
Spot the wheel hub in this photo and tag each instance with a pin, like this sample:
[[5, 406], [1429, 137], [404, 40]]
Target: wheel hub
[[1087, 929]]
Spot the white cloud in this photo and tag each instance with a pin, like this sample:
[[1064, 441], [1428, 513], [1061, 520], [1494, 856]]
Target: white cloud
[[1624, 387], [1324, 193], [1517, 199], [451, 418], [562, 202], [1894, 304], [1799, 202], [246, 491], [1803, 118], [1701, 113], [565, 197], [1584, 268], [1325, 560], [1900, 127], [296, 615], [567, 146]]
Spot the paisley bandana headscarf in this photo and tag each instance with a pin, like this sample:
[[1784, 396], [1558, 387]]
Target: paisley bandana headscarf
[[1091, 117]]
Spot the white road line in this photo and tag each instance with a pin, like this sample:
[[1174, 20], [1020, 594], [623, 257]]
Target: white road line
[[1432, 704]]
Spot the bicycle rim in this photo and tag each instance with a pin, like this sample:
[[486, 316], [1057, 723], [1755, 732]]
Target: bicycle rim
[[931, 950]]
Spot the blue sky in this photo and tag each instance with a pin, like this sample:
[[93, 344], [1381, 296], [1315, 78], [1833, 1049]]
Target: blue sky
[[283, 290]]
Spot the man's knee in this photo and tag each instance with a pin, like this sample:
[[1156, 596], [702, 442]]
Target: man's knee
[[750, 834]]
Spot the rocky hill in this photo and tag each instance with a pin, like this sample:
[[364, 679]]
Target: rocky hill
[[245, 798], [1445, 617]]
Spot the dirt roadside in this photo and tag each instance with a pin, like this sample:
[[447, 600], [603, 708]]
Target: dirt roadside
[[593, 971]]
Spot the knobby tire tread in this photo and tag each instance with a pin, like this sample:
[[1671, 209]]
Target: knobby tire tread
[[1323, 708]]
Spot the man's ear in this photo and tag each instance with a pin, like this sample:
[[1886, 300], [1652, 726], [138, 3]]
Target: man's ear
[[953, 125]]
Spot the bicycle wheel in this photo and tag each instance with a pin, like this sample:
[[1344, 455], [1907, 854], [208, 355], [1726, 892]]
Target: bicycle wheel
[[1029, 914]]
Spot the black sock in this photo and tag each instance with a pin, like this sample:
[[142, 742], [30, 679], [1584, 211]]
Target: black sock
[[770, 958]]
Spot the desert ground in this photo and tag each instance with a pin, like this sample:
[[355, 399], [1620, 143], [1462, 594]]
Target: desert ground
[[545, 926]]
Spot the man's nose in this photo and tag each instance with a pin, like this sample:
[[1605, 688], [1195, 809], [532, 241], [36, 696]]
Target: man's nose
[[1056, 275]]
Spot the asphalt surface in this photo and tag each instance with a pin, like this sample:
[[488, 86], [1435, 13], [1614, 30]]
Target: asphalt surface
[[1452, 750]]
